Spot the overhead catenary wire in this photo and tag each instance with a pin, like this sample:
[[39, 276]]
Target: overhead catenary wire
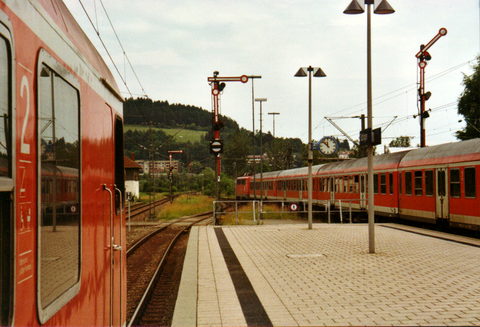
[[105, 47], [123, 49]]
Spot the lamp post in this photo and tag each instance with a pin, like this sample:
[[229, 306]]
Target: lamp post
[[383, 8], [252, 77], [170, 170], [317, 72], [261, 100], [273, 115]]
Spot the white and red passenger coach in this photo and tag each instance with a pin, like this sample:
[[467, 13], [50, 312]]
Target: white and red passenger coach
[[437, 184], [62, 232]]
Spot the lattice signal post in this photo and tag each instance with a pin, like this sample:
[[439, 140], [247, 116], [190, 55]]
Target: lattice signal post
[[216, 145]]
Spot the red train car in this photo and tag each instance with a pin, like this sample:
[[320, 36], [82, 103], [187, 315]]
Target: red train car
[[62, 232], [439, 184]]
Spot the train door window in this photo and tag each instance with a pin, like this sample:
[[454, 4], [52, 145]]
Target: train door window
[[470, 182], [441, 183], [418, 182], [6, 185], [428, 182], [383, 183], [455, 182], [390, 183], [356, 181], [59, 238], [408, 183], [375, 183]]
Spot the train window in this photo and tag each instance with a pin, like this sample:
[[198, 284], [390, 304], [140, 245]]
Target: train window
[[59, 212], [418, 182], [429, 182], [408, 182], [383, 184], [5, 111], [357, 186], [455, 182], [470, 182], [390, 183], [375, 183]]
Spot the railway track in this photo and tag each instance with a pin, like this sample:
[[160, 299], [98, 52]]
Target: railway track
[[138, 211], [154, 265]]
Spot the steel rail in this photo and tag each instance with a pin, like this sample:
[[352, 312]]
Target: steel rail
[[143, 301]]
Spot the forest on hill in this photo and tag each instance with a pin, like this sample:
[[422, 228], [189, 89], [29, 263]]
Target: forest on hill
[[153, 143]]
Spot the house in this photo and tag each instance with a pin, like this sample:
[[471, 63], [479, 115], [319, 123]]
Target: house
[[132, 171]]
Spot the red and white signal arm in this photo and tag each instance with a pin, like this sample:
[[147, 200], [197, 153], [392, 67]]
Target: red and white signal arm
[[294, 207]]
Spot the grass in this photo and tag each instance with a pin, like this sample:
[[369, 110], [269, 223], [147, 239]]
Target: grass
[[186, 205], [145, 197], [180, 135]]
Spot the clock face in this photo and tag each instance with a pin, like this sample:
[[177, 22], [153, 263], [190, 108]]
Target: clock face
[[328, 145]]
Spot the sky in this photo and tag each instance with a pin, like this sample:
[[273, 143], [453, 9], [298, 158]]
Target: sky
[[175, 45]]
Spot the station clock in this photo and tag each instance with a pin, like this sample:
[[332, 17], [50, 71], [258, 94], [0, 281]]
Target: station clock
[[328, 145]]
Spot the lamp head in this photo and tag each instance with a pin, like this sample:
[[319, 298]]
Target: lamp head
[[301, 73], [384, 8], [354, 8]]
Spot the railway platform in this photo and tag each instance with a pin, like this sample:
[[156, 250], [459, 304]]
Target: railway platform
[[287, 275]]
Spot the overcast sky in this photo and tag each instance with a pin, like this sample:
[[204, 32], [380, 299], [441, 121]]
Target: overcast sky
[[175, 45]]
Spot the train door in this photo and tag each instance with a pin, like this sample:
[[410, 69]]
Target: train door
[[6, 183], [442, 204], [363, 191]]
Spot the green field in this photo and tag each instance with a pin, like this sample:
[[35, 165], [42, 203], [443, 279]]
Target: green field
[[181, 135]]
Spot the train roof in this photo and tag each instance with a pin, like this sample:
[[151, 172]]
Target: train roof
[[384, 161], [444, 153]]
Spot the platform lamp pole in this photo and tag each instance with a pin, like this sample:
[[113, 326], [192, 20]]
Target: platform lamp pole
[[253, 132], [261, 100], [317, 72], [353, 9], [273, 115]]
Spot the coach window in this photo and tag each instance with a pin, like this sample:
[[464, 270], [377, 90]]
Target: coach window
[[5, 112], [59, 223], [428, 182], [470, 183], [383, 184], [408, 182], [418, 182], [375, 183], [455, 182]]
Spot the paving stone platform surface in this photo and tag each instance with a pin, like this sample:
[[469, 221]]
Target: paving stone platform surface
[[326, 277]]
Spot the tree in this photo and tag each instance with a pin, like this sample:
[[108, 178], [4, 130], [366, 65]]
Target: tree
[[400, 142], [469, 105]]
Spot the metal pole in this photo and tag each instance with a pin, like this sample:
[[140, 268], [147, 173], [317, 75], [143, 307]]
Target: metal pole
[[261, 156], [254, 152], [371, 213], [310, 152]]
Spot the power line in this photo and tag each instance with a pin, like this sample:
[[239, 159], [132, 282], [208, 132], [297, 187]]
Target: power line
[[124, 52], [105, 47]]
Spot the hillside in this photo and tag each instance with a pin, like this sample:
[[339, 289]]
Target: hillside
[[152, 128]]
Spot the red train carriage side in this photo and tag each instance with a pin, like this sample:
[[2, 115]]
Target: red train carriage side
[[61, 155], [442, 184], [438, 184]]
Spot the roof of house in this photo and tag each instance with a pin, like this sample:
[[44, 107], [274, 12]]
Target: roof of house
[[130, 164]]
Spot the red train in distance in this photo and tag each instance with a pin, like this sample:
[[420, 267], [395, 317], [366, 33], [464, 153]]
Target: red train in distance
[[437, 184], [62, 231]]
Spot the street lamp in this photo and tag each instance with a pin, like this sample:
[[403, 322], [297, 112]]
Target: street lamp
[[383, 8], [317, 72], [273, 115], [261, 147], [252, 77]]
